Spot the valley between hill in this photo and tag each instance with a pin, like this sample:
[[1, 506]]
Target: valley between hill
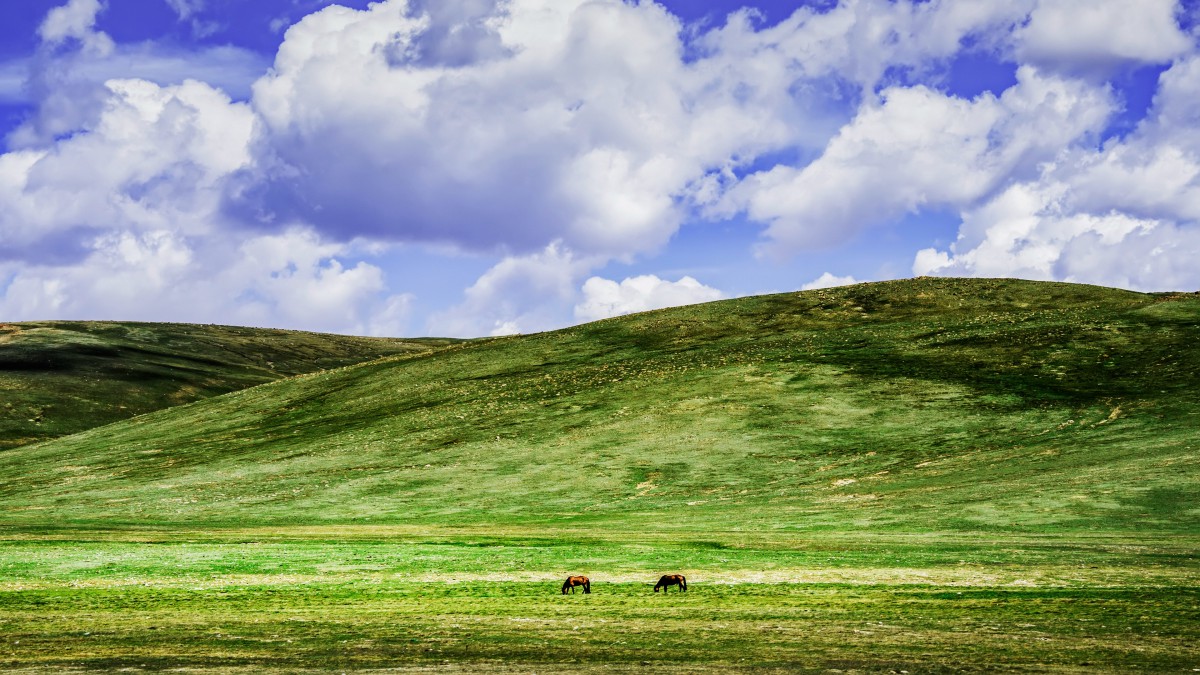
[[62, 377]]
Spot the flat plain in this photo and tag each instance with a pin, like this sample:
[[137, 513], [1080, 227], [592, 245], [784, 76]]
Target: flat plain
[[926, 476]]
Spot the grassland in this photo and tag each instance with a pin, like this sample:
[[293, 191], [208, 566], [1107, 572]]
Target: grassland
[[61, 377], [363, 599], [930, 475]]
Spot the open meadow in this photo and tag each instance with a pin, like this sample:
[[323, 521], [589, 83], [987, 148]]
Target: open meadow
[[272, 600], [919, 476]]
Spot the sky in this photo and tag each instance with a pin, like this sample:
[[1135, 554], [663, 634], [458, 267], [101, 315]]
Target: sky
[[489, 167]]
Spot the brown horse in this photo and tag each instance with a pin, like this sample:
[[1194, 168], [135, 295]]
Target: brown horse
[[572, 582], [671, 580]]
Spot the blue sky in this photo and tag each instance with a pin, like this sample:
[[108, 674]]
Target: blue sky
[[481, 167]]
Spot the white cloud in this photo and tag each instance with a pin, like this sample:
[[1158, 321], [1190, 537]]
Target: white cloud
[[604, 298], [1151, 256], [1175, 118], [76, 20], [919, 148], [1090, 35], [577, 134], [290, 279], [300, 280], [391, 317], [577, 122], [828, 280], [861, 41], [1126, 214], [520, 294], [122, 218], [1029, 232], [155, 159]]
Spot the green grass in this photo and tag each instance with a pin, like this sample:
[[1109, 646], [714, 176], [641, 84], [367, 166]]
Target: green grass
[[932, 475], [365, 599], [62, 377]]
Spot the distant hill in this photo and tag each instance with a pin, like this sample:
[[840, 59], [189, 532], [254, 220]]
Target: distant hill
[[61, 377], [924, 405]]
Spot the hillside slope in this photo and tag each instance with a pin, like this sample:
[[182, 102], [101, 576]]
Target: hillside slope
[[61, 377], [922, 405]]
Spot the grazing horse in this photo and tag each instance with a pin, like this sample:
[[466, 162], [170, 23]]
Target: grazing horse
[[572, 582], [671, 580]]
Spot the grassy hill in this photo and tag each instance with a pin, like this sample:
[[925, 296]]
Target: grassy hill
[[917, 405], [928, 476], [61, 377]]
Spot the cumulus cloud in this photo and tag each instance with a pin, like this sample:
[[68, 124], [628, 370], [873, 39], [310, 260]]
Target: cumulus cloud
[[572, 121], [1126, 214], [1030, 232], [919, 148], [121, 218], [828, 280], [579, 122], [291, 279], [604, 298], [154, 160], [520, 294], [511, 142], [1095, 35]]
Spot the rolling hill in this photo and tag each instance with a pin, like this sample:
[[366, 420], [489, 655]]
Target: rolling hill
[[924, 405], [61, 377]]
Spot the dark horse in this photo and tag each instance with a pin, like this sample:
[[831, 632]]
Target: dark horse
[[671, 580], [572, 582]]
